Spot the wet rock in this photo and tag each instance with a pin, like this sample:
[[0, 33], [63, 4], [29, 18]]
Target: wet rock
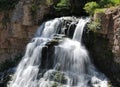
[[6, 76], [57, 76]]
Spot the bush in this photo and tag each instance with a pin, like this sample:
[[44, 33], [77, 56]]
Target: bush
[[90, 7], [116, 2], [105, 3], [109, 3], [63, 4], [94, 25]]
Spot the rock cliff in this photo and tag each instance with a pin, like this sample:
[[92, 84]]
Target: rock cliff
[[110, 23], [105, 44]]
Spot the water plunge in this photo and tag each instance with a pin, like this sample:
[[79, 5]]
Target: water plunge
[[54, 60]]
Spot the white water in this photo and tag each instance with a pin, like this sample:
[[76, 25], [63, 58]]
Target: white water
[[80, 26], [71, 63]]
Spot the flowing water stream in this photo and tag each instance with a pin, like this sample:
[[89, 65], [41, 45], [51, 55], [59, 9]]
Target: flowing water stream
[[69, 65]]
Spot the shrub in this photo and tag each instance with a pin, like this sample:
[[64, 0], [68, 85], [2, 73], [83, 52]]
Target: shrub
[[63, 4], [90, 7], [105, 3], [94, 25], [115, 2], [109, 3]]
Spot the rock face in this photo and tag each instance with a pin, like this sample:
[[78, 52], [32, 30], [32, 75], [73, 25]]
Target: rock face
[[16, 29], [110, 21], [108, 41]]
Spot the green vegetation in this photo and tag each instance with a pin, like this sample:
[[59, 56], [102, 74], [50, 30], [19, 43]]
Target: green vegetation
[[99, 10], [9, 63], [94, 25], [55, 84], [109, 3], [63, 4], [7, 4], [100, 6], [116, 1], [59, 77], [90, 7]]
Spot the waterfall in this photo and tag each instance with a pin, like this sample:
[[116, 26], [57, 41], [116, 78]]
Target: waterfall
[[79, 29], [52, 59]]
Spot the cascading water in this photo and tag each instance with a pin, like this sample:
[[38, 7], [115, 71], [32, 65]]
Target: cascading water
[[69, 65]]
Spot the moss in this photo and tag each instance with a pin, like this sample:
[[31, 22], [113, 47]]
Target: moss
[[102, 10]]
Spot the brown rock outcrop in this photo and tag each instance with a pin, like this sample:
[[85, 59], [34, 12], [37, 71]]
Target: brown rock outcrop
[[17, 27], [107, 46], [110, 22]]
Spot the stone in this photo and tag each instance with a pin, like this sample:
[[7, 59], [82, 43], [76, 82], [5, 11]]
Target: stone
[[27, 18], [108, 60]]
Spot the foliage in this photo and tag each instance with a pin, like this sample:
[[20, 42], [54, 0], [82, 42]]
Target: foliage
[[63, 4], [7, 4], [9, 63], [59, 77], [109, 3], [55, 85], [102, 10], [105, 3], [116, 1], [90, 7], [94, 25]]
